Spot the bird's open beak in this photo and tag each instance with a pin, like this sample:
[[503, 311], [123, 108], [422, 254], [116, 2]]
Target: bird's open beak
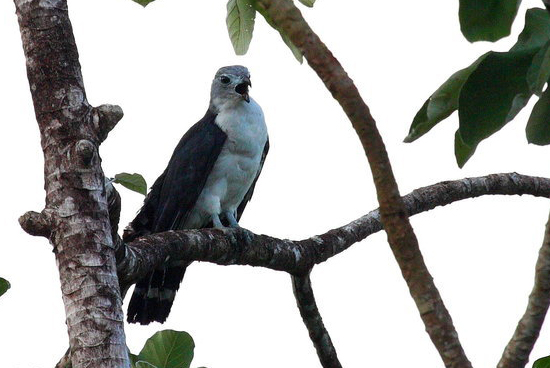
[[242, 89]]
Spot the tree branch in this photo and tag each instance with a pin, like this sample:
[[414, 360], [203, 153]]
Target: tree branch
[[516, 353], [401, 238], [240, 246], [318, 334]]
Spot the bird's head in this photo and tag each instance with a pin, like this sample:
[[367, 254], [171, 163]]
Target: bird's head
[[230, 85]]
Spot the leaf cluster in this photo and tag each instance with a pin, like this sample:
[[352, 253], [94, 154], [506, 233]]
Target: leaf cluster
[[494, 88]]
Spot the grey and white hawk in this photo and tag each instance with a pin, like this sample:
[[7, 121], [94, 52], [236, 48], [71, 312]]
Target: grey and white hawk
[[207, 183]]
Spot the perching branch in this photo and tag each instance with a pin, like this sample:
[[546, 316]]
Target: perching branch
[[240, 246], [401, 238], [516, 353]]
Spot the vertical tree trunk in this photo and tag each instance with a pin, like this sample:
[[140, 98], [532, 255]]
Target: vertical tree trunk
[[75, 218]]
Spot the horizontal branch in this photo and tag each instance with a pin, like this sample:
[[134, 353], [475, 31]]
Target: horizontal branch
[[240, 246]]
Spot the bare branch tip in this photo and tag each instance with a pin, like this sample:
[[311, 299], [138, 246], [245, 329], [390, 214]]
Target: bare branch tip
[[105, 118], [35, 224]]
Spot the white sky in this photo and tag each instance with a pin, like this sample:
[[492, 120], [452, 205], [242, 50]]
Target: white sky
[[157, 63]]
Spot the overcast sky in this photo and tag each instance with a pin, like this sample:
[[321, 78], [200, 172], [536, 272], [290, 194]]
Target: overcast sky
[[157, 64]]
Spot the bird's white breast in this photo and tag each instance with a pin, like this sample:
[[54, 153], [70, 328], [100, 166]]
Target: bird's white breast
[[237, 164]]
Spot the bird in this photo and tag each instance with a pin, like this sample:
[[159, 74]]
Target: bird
[[208, 182]]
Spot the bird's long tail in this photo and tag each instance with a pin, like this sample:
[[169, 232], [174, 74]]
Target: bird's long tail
[[154, 295]]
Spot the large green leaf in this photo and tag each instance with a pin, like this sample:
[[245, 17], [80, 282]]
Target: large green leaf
[[542, 363], [493, 94], [539, 71], [144, 364], [536, 31], [144, 2], [441, 103], [538, 125], [133, 359], [4, 286], [487, 20], [491, 91], [134, 182], [463, 152], [168, 349], [295, 50], [240, 24]]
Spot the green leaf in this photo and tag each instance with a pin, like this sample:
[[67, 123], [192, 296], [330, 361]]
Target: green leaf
[[4, 286], [168, 349], [441, 103], [144, 3], [308, 2], [463, 152], [295, 50], [539, 71], [542, 363], [538, 125], [536, 31], [487, 20], [133, 359], [240, 24], [144, 364], [493, 94], [134, 182]]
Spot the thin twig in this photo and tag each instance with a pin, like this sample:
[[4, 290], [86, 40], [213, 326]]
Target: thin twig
[[303, 292], [516, 353]]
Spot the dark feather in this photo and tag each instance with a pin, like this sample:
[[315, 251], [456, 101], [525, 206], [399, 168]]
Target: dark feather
[[166, 207]]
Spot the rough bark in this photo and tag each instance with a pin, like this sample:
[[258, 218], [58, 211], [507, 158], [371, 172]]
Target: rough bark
[[318, 334], [297, 257], [516, 353], [76, 218]]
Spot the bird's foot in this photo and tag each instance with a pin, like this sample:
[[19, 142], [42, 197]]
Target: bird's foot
[[230, 216], [216, 222]]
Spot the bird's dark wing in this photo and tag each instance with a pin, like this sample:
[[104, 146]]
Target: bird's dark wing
[[166, 207], [175, 192], [248, 194]]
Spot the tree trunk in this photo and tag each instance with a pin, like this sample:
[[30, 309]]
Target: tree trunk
[[75, 218]]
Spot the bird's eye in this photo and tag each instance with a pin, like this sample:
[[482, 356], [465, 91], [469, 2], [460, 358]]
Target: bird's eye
[[224, 79]]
